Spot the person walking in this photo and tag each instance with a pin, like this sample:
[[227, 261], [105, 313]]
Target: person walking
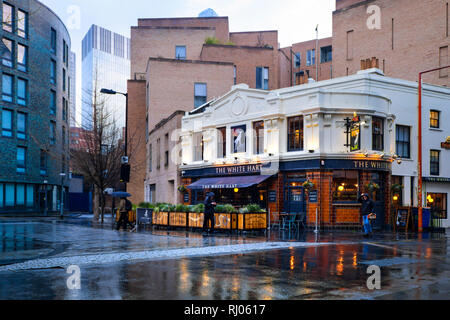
[[367, 206], [209, 212], [124, 209]]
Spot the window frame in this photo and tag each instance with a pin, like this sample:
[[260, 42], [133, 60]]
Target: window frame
[[23, 67], [434, 163], [222, 144], [258, 137], [199, 150], [21, 165], [311, 57], [403, 142], [12, 51], [10, 95], [263, 81], [22, 135], [8, 131], [185, 52], [297, 59], [330, 52], [22, 100], [8, 27], [301, 133], [53, 41], [196, 97], [25, 30], [376, 136], [438, 119]]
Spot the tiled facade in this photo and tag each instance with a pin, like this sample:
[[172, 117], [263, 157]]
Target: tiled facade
[[36, 118]]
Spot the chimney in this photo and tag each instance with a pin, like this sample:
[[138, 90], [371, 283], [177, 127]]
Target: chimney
[[370, 63]]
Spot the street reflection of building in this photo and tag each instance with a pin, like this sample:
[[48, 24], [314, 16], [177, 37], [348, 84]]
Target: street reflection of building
[[304, 134]]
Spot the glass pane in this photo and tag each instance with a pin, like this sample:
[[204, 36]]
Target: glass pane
[[22, 57], [9, 195], [7, 119], [20, 199], [7, 90], [200, 90], [1, 196], [7, 17], [259, 78], [21, 23], [21, 92], [180, 52], [8, 54], [30, 195]]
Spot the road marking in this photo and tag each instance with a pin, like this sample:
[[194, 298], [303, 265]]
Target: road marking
[[97, 259]]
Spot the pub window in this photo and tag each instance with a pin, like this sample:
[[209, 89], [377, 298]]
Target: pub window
[[200, 94], [435, 119], [8, 55], [345, 186], [438, 204], [377, 134], [403, 141], [434, 162], [239, 139], [258, 134], [222, 143], [295, 133], [398, 180], [198, 146], [262, 78], [8, 17]]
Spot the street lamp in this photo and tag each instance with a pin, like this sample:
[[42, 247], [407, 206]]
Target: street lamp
[[62, 175], [112, 92], [419, 189]]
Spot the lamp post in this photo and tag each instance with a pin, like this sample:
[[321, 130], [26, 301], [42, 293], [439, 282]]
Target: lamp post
[[62, 175], [112, 92], [420, 169]]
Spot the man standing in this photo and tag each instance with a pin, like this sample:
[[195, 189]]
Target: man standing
[[209, 212], [124, 209], [367, 206]]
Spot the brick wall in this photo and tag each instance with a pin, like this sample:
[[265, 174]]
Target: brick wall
[[411, 36]]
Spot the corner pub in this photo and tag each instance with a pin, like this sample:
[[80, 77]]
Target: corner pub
[[305, 149]]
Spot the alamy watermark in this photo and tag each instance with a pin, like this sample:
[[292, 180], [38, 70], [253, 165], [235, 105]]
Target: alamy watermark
[[374, 20], [374, 280], [74, 280]]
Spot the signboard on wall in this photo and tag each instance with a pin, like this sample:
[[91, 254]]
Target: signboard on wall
[[313, 196], [186, 197], [272, 196], [355, 137]]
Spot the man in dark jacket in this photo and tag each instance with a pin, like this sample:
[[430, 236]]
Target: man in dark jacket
[[367, 206], [209, 212]]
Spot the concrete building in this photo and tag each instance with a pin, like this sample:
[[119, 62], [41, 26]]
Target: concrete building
[[35, 110], [406, 36], [255, 146], [105, 64]]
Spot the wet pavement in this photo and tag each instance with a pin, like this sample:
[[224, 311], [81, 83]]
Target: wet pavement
[[163, 265]]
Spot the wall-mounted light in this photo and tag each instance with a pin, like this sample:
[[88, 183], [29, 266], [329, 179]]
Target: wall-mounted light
[[395, 198], [341, 188], [399, 161], [312, 151], [236, 190]]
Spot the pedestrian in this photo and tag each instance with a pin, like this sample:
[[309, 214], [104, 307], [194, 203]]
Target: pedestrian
[[367, 206], [209, 212], [124, 209]]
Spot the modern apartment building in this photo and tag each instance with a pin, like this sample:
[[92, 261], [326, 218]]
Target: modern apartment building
[[35, 73], [72, 85], [105, 64]]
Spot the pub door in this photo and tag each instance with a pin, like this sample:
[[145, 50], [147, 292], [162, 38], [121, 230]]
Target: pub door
[[379, 198], [295, 200]]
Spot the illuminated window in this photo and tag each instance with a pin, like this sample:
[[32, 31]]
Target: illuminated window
[[434, 119], [295, 134], [438, 204], [345, 186]]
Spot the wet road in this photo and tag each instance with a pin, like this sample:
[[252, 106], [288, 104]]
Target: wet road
[[35, 254]]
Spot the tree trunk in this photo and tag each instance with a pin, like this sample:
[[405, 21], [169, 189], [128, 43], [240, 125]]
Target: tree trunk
[[102, 201], [95, 203]]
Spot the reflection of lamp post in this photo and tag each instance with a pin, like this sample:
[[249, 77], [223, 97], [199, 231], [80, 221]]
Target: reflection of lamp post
[[45, 197], [62, 174]]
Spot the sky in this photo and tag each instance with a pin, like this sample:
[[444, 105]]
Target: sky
[[295, 20]]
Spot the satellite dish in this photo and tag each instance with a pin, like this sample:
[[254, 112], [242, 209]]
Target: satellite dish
[[208, 13]]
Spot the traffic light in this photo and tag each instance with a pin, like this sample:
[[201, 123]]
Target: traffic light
[[125, 173]]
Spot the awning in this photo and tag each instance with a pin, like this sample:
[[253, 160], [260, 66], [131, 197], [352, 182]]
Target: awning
[[228, 182]]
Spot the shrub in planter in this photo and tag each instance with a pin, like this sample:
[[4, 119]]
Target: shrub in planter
[[229, 208], [372, 187], [254, 208], [308, 185], [181, 208], [397, 188], [243, 210], [199, 208], [220, 208]]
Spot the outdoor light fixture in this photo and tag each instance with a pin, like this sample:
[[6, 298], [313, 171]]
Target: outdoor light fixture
[[311, 151], [399, 161], [341, 188], [236, 190], [395, 198]]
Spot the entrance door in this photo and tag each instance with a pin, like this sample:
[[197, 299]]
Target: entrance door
[[379, 199], [295, 200]]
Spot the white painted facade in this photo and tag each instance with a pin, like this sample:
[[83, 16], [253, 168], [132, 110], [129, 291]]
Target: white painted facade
[[324, 106]]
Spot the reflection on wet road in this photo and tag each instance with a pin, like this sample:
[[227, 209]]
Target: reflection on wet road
[[332, 266]]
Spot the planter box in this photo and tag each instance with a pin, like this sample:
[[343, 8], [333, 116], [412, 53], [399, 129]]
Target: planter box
[[223, 221]]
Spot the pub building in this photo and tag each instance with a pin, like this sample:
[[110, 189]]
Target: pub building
[[343, 135]]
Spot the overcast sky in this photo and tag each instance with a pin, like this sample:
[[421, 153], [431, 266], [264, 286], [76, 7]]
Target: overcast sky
[[295, 20]]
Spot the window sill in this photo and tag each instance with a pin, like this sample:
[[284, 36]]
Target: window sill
[[436, 129]]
